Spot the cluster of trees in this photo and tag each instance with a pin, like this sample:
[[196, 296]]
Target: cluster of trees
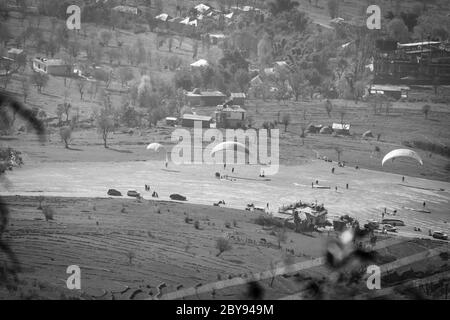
[[421, 22]]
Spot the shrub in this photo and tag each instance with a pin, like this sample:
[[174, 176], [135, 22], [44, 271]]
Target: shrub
[[227, 224], [440, 149], [222, 245], [265, 220], [197, 224], [49, 213]]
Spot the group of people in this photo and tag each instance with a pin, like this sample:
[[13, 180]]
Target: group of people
[[154, 194]]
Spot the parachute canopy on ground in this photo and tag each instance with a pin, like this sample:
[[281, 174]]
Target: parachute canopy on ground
[[405, 153], [156, 147], [229, 145]]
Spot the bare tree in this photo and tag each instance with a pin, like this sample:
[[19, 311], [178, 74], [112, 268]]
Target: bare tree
[[328, 107], [81, 84], [66, 136], [25, 88], [286, 120], [281, 236], [67, 107], [105, 124], [222, 245]]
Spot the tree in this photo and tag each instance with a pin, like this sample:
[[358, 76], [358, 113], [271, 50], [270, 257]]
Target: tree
[[66, 136], [5, 34], [25, 82], [81, 84], [103, 75], [298, 83], [286, 120], [105, 124], [40, 80], [60, 112], [113, 55], [279, 6], [242, 79], [105, 37], [73, 48], [426, 110], [125, 75], [129, 116], [222, 245], [397, 30], [328, 107], [314, 79], [265, 51], [333, 8], [281, 236], [66, 107]]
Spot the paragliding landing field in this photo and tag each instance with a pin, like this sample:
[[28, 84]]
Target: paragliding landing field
[[369, 192]]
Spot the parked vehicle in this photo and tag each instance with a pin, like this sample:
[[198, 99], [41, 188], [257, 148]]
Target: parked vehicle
[[133, 193], [393, 222], [114, 193], [178, 197], [440, 235], [389, 228]]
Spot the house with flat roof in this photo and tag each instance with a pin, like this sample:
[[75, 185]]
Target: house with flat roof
[[205, 98], [341, 128], [189, 120], [54, 67], [392, 91], [230, 117], [15, 53]]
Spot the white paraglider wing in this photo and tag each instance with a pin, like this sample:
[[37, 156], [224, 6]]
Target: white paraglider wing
[[229, 145], [406, 153], [155, 147]]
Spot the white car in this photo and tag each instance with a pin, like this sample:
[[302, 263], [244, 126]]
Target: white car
[[389, 228]]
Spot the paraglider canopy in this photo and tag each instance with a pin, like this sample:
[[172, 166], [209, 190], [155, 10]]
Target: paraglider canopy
[[229, 145], [405, 153], [156, 147]]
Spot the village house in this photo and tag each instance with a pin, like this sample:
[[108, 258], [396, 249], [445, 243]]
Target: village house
[[230, 117], [189, 120], [205, 98], [341, 128], [391, 91], [54, 67], [238, 98], [16, 54]]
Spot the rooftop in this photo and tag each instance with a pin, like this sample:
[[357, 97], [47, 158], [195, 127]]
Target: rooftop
[[206, 94], [51, 62], [195, 117], [15, 51], [238, 95]]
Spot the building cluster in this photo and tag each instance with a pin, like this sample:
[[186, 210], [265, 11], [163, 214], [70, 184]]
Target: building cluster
[[419, 63]]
